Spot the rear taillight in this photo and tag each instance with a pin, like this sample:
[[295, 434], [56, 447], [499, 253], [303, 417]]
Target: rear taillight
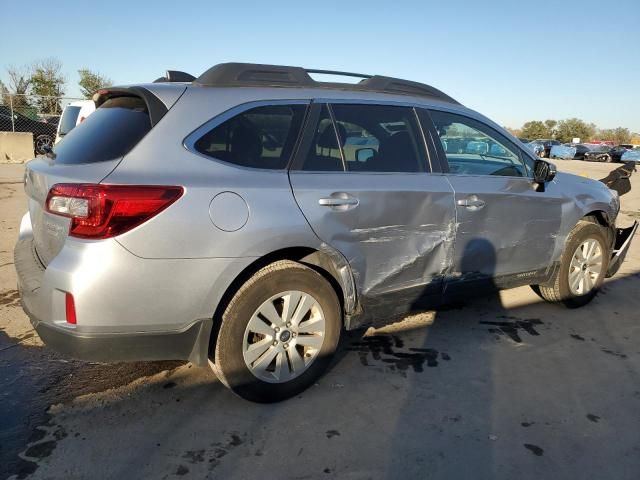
[[103, 211]]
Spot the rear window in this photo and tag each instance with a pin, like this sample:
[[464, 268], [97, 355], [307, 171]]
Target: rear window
[[108, 133], [68, 120]]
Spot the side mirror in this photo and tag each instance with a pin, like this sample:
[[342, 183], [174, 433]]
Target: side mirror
[[543, 171], [364, 154]]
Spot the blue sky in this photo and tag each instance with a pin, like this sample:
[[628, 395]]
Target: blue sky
[[513, 61]]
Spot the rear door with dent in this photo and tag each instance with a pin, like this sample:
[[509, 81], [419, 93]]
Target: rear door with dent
[[364, 181]]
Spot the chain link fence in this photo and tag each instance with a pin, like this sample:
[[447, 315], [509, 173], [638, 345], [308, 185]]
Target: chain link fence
[[35, 114]]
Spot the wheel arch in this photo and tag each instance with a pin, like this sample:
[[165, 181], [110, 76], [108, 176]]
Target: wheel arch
[[326, 261], [602, 218]]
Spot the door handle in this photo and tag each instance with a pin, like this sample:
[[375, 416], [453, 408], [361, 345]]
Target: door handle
[[472, 202], [339, 201]]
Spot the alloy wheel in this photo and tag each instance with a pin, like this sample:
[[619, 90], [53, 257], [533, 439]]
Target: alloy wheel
[[284, 336], [585, 267]]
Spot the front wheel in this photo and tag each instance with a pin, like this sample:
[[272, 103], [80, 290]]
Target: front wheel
[[582, 269], [278, 333]]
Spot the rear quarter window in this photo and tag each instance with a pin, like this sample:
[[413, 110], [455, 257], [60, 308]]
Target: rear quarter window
[[108, 133], [262, 137]]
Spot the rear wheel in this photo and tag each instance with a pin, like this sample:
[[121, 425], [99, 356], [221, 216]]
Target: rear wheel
[[278, 333], [582, 267]]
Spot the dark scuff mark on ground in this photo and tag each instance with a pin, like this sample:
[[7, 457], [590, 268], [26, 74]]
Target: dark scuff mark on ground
[[46, 378], [512, 329], [593, 418], [182, 470], [536, 450], [216, 451], [332, 433], [615, 354], [575, 336], [389, 349]]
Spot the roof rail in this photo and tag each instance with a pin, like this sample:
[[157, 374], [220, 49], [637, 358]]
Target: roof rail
[[175, 76], [257, 75]]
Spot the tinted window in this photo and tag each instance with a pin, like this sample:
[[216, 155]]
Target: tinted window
[[324, 154], [68, 120], [263, 137], [108, 133], [371, 138], [379, 138], [473, 148]]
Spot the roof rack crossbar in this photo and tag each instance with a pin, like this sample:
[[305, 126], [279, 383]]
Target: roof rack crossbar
[[257, 75]]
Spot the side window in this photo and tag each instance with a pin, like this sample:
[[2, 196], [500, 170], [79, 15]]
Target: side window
[[324, 154], [263, 137], [379, 138], [473, 148]]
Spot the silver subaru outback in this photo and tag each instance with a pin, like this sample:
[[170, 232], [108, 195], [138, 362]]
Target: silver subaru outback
[[244, 218]]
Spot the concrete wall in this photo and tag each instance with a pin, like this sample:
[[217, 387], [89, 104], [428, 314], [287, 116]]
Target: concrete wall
[[16, 147]]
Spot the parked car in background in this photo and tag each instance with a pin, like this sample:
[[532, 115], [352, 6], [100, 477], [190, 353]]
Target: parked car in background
[[619, 150], [206, 221], [44, 133], [74, 114], [536, 147], [599, 153], [631, 155], [50, 119], [581, 150], [547, 144], [524, 140]]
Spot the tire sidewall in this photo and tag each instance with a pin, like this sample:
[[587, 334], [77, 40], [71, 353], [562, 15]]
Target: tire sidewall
[[229, 355], [587, 231]]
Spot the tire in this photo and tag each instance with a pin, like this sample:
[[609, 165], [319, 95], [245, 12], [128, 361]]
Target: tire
[[41, 142], [243, 327], [558, 289]]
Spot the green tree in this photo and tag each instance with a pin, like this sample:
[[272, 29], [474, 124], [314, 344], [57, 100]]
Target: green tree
[[48, 82], [572, 128], [534, 130], [551, 127], [616, 135], [92, 81]]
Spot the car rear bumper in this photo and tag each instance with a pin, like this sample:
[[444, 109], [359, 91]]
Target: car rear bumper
[[127, 307], [621, 247], [189, 343], [126, 347]]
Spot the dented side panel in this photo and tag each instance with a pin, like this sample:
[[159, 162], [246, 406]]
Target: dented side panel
[[514, 232], [398, 238]]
